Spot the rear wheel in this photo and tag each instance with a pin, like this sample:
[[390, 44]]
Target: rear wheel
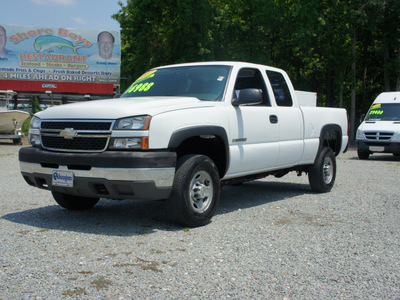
[[73, 202], [322, 173], [362, 154], [195, 193]]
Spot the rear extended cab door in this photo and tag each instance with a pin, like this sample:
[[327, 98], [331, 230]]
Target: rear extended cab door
[[290, 118]]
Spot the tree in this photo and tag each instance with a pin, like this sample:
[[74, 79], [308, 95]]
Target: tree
[[347, 51], [35, 106], [158, 33]]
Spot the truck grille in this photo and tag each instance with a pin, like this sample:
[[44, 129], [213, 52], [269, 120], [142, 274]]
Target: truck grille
[[76, 125], [378, 135], [76, 136]]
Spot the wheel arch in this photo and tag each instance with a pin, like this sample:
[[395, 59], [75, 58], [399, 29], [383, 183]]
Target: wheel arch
[[211, 141], [331, 136]]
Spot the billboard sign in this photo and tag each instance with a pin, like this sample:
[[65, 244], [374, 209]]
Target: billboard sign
[[62, 60]]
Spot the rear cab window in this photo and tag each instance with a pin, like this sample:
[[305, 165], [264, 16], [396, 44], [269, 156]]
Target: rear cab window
[[280, 88]]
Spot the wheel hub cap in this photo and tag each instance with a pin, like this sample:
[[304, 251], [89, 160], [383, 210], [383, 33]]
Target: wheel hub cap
[[328, 170], [201, 192]]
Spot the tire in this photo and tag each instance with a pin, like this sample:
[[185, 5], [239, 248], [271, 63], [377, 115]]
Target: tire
[[322, 173], [17, 141], [195, 192], [73, 202], [362, 154]]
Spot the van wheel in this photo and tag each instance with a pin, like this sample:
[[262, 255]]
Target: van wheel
[[362, 154], [73, 202], [17, 141], [322, 173], [195, 193]]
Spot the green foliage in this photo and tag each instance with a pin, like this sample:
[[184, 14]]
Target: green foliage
[[35, 106], [25, 126], [311, 39]]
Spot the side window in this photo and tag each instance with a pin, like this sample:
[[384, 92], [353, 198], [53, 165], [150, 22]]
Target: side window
[[251, 79], [281, 90]]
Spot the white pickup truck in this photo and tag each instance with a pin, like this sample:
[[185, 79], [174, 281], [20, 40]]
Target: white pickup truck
[[178, 133]]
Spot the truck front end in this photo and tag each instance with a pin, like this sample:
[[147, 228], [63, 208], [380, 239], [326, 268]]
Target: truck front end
[[97, 158], [380, 130]]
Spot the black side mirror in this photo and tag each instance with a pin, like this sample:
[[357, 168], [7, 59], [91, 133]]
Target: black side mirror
[[248, 96]]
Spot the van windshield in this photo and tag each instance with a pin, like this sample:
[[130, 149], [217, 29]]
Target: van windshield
[[384, 112], [202, 82]]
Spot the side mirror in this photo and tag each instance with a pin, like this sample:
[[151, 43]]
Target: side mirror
[[117, 95], [248, 96]]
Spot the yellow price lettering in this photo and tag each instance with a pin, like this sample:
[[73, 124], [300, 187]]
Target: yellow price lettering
[[141, 87], [376, 112]]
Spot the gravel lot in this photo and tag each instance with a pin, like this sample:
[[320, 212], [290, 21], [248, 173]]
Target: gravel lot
[[270, 238]]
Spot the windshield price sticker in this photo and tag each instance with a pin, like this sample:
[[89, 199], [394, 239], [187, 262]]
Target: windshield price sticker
[[141, 87], [375, 111], [137, 86], [146, 76], [63, 178]]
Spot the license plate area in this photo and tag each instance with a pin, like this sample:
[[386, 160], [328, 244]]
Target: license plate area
[[63, 178], [376, 148]]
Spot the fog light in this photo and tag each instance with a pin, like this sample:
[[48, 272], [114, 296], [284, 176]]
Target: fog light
[[34, 139], [128, 143]]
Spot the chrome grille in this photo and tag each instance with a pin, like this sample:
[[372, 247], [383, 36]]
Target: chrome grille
[[378, 135], [90, 136]]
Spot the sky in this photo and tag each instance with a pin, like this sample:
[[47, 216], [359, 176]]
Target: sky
[[85, 14]]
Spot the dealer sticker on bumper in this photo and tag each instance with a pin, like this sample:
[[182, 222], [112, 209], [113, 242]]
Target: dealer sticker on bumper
[[63, 178]]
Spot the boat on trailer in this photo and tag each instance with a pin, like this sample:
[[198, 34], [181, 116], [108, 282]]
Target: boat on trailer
[[11, 120]]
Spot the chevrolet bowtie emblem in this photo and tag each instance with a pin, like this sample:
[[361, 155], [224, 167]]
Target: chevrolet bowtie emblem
[[68, 133]]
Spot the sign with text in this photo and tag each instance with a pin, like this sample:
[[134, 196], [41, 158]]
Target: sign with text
[[59, 59]]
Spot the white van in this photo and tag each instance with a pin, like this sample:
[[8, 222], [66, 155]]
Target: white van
[[380, 131]]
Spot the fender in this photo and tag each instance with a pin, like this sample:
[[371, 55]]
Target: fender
[[180, 135], [324, 131]]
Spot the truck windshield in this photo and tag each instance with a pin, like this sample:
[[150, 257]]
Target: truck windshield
[[384, 112], [202, 82]]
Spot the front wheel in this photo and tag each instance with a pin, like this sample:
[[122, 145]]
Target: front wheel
[[73, 202], [362, 154], [322, 173], [195, 193]]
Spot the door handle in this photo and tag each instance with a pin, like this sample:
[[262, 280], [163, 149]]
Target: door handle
[[273, 119]]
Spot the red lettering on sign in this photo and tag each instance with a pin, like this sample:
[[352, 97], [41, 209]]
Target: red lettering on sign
[[20, 36]]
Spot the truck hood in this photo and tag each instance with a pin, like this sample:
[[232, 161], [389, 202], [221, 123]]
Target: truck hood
[[380, 126], [121, 107]]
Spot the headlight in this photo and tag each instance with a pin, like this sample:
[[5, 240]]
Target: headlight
[[397, 136], [359, 135], [133, 123], [35, 123], [129, 139], [34, 132]]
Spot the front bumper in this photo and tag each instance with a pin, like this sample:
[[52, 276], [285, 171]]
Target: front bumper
[[111, 174], [383, 147]]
